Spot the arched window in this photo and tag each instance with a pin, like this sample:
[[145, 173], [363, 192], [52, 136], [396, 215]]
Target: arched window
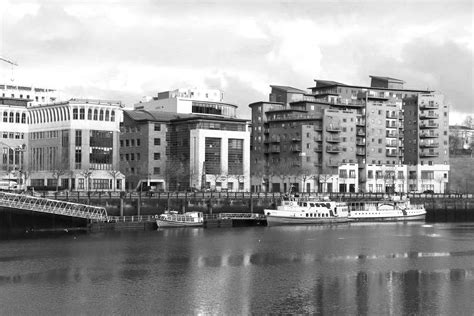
[[54, 117], [23, 118], [106, 115], [82, 113], [17, 118], [11, 117], [95, 115], [5, 117], [89, 114], [74, 114], [112, 116], [101, 115]]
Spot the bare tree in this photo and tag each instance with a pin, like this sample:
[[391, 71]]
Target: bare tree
[[86, 173], [57, 173], [114, 173], [177, 174]]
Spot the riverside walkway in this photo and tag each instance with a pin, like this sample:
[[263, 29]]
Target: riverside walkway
[[44, 205]]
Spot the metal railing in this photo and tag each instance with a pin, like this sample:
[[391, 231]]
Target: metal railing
[[43, 205]]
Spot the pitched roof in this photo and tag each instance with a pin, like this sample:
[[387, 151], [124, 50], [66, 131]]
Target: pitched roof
[[288, 89]]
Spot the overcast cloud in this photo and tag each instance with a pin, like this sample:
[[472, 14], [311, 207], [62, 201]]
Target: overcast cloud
[[128, 49]]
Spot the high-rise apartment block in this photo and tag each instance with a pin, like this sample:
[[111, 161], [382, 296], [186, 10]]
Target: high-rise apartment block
[[346, 138]]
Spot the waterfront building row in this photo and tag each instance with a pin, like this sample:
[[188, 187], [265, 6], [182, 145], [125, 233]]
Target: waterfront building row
[[344, 138], [180, 140]]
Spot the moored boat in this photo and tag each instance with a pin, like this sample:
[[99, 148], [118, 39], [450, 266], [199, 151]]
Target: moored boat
[[313, 211], [174, 219], [396, 208]]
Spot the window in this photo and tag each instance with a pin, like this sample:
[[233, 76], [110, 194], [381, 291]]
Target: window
[[127, 143], [101, 115], [127, 157], [138, 142], [78, 138], [370, 174], [157, 156], [157, 127], [95, 115], [156, 170], [89, 114], [132, 142], [74, 114], [352, 174], [82, 114], [132, 156], [157, 141], [138, 156], [121, 143]]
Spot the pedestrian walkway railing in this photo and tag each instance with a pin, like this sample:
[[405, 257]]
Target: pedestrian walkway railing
[[43, 205], [132, 219]]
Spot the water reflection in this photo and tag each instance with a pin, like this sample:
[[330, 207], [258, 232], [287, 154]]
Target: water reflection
[[363, 270]]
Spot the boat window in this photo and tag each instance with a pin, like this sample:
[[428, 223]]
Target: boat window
[[311, 204], [305, 204], [328, 205], [306, 214]]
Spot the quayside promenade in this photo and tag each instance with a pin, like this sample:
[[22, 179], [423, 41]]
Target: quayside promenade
[[440, 207]]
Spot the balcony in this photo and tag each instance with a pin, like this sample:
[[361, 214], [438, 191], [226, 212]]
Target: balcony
[[275, 149], [429, 105], [391, 135], [391, 115], [317, 164], [391, 125], [266, 131], [360, 141], [318, 139], [318, 149], [333, 139], [429, 154], [424, 125], [295, 148], [296, 139], [275, 140], [360, 132], [360, 122], [428, 145], [333, 149], [392, 144], [428, 115], [428, 135], [391, 153], [318, 128], [333, 128], [360, 152]]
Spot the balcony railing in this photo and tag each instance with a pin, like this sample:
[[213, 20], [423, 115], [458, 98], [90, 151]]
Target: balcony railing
[[295, 148], [429, 145], [360, 132], [296, 139], [275, 150], [429, 105], [360, 141], [266, 131], [275, 140], [360, 152], [391, 153], [333, 149], [391, 115], [428, 135], [429, 154], [392, 144], [428, 115], [333, 139], [318, 149], [429, 125], [392, 135], [333, 128], [318, 128], [360, 122]]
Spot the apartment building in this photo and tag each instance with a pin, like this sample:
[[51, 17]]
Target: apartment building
[[32, 95], [398, 136], [200, 143]]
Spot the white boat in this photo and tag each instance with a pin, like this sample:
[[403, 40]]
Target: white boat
[[294, 210], [395, 208], [174, 219]]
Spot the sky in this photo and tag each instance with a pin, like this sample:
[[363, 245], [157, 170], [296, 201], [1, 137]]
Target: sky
[[125, 50]]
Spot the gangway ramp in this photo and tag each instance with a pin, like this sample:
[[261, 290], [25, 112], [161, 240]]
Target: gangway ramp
[[43, 205]]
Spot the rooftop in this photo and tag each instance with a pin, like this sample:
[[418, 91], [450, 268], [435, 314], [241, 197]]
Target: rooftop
[[387, 79], [288, 89]]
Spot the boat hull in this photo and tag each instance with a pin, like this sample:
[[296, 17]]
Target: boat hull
[[166, 223], [388, 218], [287, 220]]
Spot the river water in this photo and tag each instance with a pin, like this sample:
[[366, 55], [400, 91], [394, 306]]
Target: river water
[[376, 269]]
